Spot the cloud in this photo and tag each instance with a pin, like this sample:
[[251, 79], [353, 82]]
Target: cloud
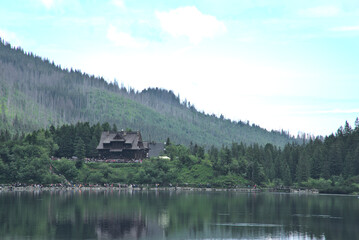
[[321, 11], [346, 28], [339, 111], [123, 39], [336, 111], [10, 37], [48, 3], [191, 23], [119, 3]]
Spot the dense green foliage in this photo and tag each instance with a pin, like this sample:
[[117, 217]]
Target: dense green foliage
[[27, 160], [331, 165], [35, 93]]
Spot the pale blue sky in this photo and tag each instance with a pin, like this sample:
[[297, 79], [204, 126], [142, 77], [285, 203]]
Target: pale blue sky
[[289, 65]]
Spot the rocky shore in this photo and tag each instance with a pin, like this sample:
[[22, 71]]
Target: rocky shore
[[117, 187], [125, 187]]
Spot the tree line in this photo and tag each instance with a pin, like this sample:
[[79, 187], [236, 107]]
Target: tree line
[[330, 163]]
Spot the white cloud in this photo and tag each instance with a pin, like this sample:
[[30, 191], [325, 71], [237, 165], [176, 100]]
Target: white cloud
[[338, 111], [346, 28], [119, 3], [123, 39], [48, 3], [10, 37], [321, 11], [191, 23]]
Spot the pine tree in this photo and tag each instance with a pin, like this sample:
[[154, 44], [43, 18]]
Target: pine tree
[[106, 127], [349, 165], [79, 152], [357, 123], [303, 168], [79, 148], [287, 179], [317, 163], [114, 128], [268, 161], [335, 159], [347, 129], [168, 142], [92, 152], [200, 152]]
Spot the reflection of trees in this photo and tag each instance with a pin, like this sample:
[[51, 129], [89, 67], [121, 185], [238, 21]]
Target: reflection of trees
[[70, 215], [120, 228], [124, 215]]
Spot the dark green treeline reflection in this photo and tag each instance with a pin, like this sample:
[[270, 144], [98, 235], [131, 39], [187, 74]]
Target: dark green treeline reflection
[[176, 215]]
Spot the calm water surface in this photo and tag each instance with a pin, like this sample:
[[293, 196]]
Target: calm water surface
[[176, 215]]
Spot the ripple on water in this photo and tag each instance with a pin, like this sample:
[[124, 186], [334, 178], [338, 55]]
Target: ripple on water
[[316, 216], [248, 225]]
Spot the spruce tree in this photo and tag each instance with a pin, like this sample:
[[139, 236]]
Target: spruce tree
[[287, 179], [92, 152], [79, 152], [114, 128], [168, 142]]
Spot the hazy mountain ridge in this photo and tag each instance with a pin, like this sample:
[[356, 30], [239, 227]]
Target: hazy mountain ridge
[[35, 93]]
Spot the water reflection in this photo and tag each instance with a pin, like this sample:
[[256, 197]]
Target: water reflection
[[175, 215], [121, 228]]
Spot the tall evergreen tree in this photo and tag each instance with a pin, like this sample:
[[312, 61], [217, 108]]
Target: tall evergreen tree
[[106, 127], [92, 152], [335, 159], [303, 168], [79, 148], [287, 179], [316, 162]]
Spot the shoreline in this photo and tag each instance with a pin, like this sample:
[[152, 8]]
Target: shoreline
[[147, 188]]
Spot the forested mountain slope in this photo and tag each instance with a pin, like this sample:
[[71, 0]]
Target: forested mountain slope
[[35, 93]]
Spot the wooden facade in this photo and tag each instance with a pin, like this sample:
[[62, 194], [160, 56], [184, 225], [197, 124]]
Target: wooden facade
[[122, 145]]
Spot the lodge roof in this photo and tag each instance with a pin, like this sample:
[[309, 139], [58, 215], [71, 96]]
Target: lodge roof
[[132, 138]]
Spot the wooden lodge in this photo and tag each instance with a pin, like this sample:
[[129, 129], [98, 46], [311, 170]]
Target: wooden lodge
[[122, 145]]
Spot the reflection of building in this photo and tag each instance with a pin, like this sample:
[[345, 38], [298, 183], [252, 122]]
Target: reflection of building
[[122, 145], [164, 219], [127, 228]]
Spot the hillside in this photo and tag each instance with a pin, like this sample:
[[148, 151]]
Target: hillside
[[36, 93]]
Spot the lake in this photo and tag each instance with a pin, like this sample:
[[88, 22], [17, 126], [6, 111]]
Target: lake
[[176, 215]]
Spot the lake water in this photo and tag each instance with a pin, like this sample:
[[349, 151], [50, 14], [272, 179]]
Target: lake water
[[176, 215]]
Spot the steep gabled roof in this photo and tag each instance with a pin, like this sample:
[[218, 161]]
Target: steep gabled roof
[[133, 138], [106, 137]]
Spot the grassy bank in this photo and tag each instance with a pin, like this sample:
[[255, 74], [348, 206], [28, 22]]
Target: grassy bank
[[153, 171]]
